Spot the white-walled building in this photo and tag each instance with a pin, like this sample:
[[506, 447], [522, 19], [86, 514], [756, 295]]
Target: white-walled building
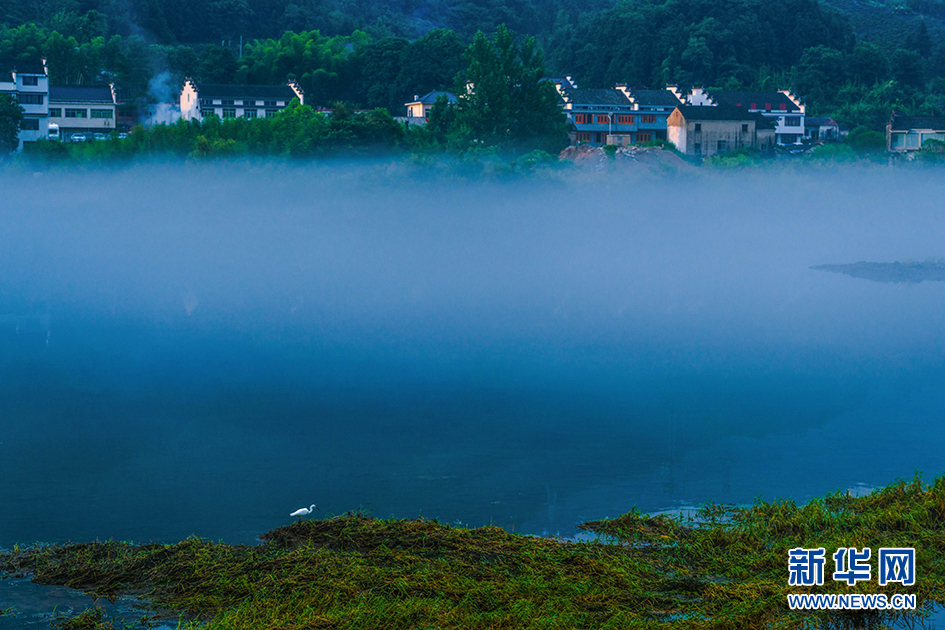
[[783, 108], [420, 106], [82, 109], [29, 83], [236, 101]]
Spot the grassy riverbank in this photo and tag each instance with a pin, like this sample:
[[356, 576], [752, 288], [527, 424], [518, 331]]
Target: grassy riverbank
[[726, 568]]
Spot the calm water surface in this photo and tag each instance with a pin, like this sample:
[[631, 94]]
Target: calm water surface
[[202, 351]]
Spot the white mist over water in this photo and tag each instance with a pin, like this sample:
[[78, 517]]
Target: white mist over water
[[229, 342]]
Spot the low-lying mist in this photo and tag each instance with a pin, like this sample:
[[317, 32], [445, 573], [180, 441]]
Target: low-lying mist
[[525, 351]]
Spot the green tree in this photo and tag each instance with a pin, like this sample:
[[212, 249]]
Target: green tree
[[907, 68], [11, 117], [507, 103]]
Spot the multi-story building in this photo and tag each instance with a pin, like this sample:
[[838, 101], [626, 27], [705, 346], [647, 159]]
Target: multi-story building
[[908, 133], [80, 110], [704, 131], [236, 101], [619, 116], [782, 108], [419, 107], [29, 83]]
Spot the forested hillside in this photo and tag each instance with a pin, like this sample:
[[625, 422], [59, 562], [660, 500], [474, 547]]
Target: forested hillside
[[855, 64]]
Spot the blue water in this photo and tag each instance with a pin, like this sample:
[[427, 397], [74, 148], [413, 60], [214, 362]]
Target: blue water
[[202, 350]]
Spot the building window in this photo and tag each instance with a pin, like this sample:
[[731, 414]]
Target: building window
[[249, 113], [76, 113], [583, 136], [648, 118], [754, 106], [30, 80], [698, 128], [644, 137], [29, 124], [721, 147], [271, 112], [227, 102], [697, 149], [206, 101], [792, 121], [269, 103], [580, 119], [603, 119], [744, 127], [624, 119], [767, 107], [101, 113], [30, 99], [55, 112], [229, 112]]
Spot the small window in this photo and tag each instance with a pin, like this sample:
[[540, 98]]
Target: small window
[[767, 107], [698, 128], [30, 80], [697, 149], [101, 113], [76, 113], [583, 136], [55, 112], [229, 112], [271, 112], [644, 137], [227, 102], [744, 127], [580, 119], [206, 101], [30, 99], [30, 124], [249, 113], [624, 119], [792, 121], [603, 119], [648, 118], [269, 104], [721, 147]]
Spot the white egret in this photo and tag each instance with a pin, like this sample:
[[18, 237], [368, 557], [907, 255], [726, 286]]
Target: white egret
[[304, 511]]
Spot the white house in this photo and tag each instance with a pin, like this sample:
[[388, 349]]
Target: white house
[[29, 83], [419, 107], [783, 108], [236, 101], [82, 109]]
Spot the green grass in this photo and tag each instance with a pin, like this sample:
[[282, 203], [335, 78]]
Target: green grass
[[724, 568]]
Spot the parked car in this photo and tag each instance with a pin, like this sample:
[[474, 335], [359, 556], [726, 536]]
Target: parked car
[[53, 131], [78, 137], [101, 136], [122, 135]]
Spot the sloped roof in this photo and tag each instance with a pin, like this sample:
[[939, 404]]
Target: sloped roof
[[818, 121], [217, 90], [85, 93], [707, 112], [8, 66], [907, 123], [592, 96], [745, 99], [655, 98], [430, 97]]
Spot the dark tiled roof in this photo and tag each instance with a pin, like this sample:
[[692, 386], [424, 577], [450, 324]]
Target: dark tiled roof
[[818, 121], [590, 96], [655, 98], [22, 67], [85, 93], [745, 99], [216, 90], [430, 98], [708, 112], [907, 123]]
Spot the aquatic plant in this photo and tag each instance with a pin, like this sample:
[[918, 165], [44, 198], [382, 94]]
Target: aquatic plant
[[724, 567]]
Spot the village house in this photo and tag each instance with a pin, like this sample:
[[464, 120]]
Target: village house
[[419, 107], [821, 129], [782, 108], [908, 133], [29, 84], [236, 101], [705, 131], [80, 110], [599, 116]]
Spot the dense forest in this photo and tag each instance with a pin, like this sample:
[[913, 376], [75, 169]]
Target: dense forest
[[380, 54]]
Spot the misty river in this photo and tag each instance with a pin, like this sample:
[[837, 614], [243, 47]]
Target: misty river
[[201, 350]]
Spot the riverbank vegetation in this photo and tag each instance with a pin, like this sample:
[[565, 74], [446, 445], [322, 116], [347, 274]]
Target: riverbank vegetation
[[724, 567]]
